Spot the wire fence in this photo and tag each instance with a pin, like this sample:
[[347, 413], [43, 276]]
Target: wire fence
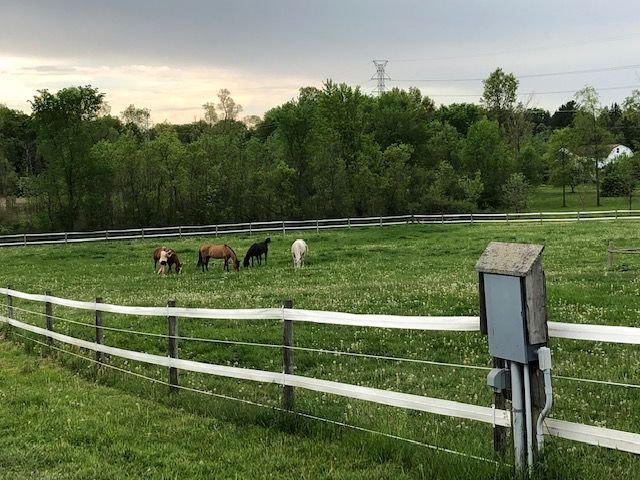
[[620, 440], [285, 226]]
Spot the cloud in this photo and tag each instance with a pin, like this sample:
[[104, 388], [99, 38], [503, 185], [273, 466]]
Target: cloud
[[175, 94]]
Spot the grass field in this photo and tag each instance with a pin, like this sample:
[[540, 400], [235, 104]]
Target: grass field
[[547, 198], [70, 420]]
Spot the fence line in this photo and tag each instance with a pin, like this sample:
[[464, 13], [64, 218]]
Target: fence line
[[625, 441], [574, 331], [285, 226], [385, 397], [270, 407]]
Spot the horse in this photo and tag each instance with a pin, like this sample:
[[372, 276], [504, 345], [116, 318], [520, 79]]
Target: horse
[[298, 251], [167, 258], [255, 251], [217, 251]]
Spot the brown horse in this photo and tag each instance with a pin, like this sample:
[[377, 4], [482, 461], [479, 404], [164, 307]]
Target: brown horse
[[167, 258], [217, 251]]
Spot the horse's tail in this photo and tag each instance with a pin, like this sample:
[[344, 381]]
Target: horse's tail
[[200, 262]]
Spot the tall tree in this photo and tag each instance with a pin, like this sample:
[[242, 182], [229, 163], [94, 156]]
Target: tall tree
[[563, 116], [227, 106], [592, 135], [486, 151], [139, 118], [499, 94], [64, 134]]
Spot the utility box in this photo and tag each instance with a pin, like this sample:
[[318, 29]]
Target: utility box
[[513, 309]]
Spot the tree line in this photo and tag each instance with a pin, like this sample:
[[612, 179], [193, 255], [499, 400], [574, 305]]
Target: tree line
[[330, 152]]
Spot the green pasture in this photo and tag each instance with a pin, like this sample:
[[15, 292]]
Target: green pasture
[[547, 198], [69, 419]]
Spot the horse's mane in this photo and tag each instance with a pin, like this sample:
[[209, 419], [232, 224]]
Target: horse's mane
[[234, 253]]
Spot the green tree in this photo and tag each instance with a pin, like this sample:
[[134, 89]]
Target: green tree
[[591, 134], [561, 162], [516, 192], [563, 116], [486, 151], [137, 118], [64, 124], [499, 94]]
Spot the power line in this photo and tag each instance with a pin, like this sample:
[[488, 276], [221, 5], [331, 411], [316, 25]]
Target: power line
[[529, 75], [622, 87], [518, 50]]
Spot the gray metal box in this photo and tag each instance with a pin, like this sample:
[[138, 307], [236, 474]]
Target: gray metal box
[[506, 323], [513, 300]]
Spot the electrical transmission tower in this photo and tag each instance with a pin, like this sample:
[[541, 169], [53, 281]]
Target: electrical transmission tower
[[380, 75]]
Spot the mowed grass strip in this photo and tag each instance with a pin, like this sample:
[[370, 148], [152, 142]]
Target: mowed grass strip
[[411, 270]]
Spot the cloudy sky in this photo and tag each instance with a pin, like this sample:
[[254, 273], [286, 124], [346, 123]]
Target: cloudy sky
[[173, 56]]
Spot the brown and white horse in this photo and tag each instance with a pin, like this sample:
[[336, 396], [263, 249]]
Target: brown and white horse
[[217, 251], [167, 258]]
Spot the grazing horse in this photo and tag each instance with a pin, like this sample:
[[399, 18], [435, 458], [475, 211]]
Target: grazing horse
[[217, 251], [298, 251], [167, 258], [256, 251]]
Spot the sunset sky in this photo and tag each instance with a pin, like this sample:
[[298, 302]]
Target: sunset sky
[[172, 57]]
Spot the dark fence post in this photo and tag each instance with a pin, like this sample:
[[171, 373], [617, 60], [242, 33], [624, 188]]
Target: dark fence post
[[500, 403], [9, 309], [99, 331], [48, 313], [287, 354], [173, 348]]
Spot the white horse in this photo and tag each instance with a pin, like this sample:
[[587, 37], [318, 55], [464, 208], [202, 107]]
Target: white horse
[[298, 251]]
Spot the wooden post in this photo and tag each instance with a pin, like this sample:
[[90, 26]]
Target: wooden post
[[348, 222], [287, 354], [9, 309], [99, 331], [9, 303], [610, 256], [48, 314], [317, 226], [500, 402], [284, 228], [24, 238], [173, 348]]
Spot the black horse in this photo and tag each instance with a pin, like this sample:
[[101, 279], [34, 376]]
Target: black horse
[[256, 251]]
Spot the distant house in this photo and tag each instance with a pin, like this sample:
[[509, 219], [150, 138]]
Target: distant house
[[615, 152]]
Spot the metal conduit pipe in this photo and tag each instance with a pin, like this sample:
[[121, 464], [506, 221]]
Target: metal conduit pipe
[[544, 359], [528, 416], [517, 409]]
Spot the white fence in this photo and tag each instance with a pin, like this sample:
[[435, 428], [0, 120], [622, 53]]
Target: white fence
[[302, 225], [604, 437]]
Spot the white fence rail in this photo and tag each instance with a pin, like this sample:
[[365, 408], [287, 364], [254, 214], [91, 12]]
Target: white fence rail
[[604, 437], [302, 225]]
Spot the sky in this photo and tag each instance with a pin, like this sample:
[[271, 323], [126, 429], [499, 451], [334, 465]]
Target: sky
[[174, 56]]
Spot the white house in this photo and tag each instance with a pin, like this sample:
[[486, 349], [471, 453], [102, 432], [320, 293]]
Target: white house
[[616, 151]]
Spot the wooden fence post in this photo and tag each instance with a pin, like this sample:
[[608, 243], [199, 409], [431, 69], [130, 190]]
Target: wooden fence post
[[48, 314], [610, 256], [500, 403], [317, 226], [99, 331], [173, 347], [9, 308], [287, 354], [284, 228]]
